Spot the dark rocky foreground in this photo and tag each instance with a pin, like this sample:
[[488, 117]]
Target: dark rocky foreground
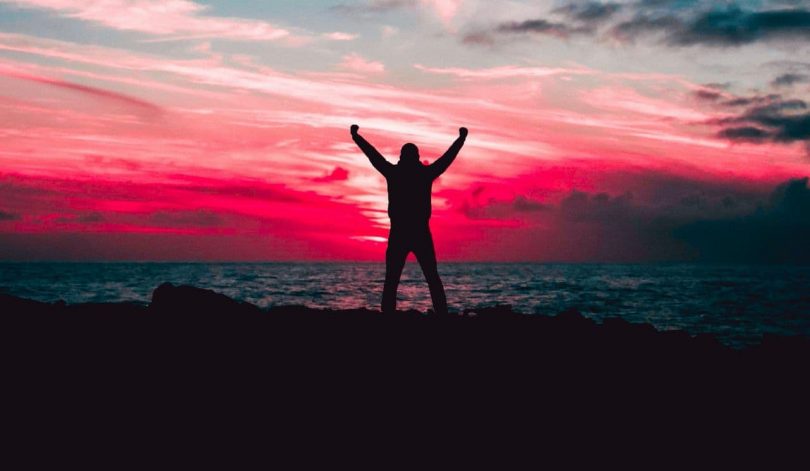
[[191, 317], [194, 358]]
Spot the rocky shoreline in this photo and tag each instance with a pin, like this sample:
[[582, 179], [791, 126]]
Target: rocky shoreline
[[195, 309]]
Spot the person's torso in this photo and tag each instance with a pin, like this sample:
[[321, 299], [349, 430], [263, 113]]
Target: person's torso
[[409, 191]]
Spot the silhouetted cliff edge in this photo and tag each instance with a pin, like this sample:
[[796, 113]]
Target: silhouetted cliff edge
[[495, 333]]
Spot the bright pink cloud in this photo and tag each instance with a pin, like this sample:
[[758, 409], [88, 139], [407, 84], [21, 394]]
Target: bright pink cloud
[[182, 18], [357, 63], [340, 36], [509, 71]]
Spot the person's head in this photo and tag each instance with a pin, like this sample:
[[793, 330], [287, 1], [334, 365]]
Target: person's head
[[409, 154]]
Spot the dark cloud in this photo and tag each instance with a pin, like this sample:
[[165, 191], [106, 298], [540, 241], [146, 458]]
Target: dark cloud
[[519, 206], [735, 26], [771, 118], [751, 100], [199, 218], [707, 95], [91, 218], [579, 18], [4, 216], [589, 11], [649, 215], [739, 226], [739, 102], [600, 207], [744, 133], [524, 204], [677, 24], [777, 231], [732, 26], [789, 79], [541, 26], [635, 227]]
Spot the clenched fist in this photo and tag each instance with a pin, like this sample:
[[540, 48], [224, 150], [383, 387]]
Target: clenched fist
[[462, 132], [354, 129]]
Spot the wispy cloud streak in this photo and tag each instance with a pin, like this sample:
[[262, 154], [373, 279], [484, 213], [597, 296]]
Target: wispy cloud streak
[[159, 17]]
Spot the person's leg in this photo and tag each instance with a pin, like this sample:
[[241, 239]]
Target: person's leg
[[426, 255], [395, 257]]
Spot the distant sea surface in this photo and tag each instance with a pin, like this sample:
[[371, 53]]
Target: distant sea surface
[[736, 303]]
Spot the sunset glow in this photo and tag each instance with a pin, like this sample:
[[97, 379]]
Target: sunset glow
[[219, 130]]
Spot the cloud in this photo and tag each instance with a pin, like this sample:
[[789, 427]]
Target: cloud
[[79, 53], [503, 72], [541, 26], [736, 26], [352, 95], [601, 207], [733, 26], [5, 216], [183, 18], [696, 222], [590, 11], [357, 63], [768, 119], [578, 18], [789, 79], [495, 209], [138, 104], [194, 218], [575, 18], [750, 100], [488, 203], [744, 133], [524, 204], [388, 31], [340, 36], [677, 25], [633, 215], [704, 94], [612, 211], [338, 174], [91, 218], [778, 231], [478, 38]]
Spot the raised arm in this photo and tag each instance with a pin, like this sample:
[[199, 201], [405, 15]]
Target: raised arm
[[377, 160], [440, 165]]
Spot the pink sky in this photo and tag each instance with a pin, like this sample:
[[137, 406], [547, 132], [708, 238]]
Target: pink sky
[[146, 130]]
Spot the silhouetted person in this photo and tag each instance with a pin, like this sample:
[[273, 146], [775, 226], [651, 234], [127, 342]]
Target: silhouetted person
[[409, 186]]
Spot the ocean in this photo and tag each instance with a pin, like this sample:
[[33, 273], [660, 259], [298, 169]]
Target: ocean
[[736, 303]]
